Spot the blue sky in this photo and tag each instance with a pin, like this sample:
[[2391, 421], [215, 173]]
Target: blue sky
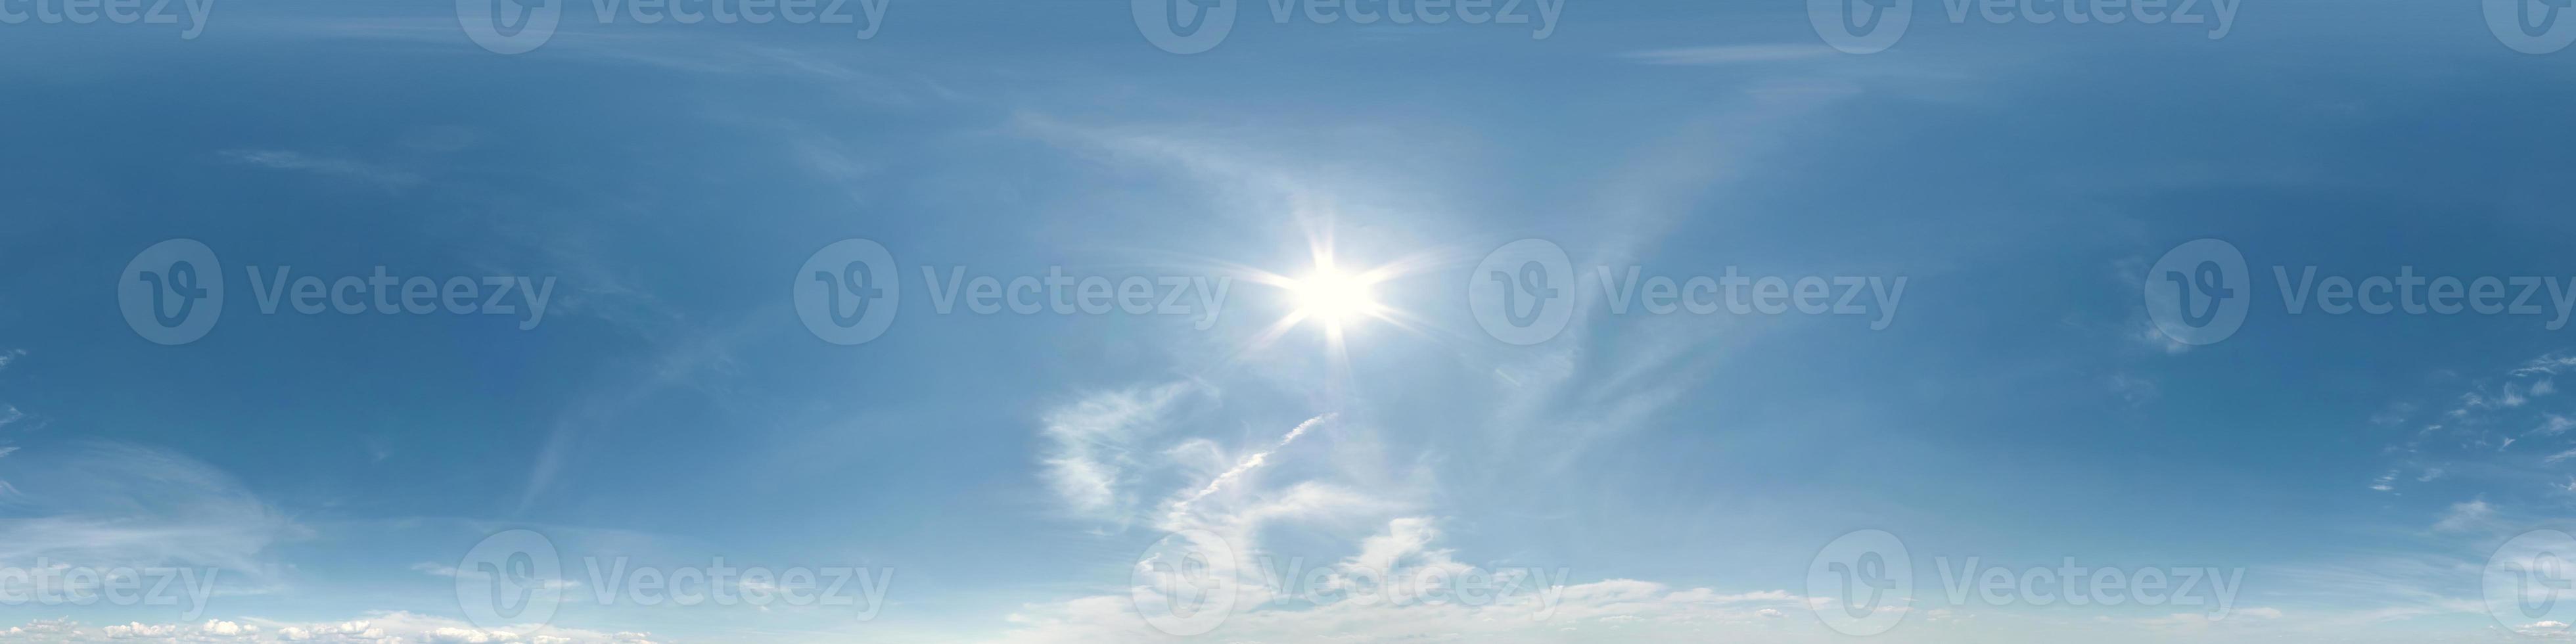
[[1003, 477]]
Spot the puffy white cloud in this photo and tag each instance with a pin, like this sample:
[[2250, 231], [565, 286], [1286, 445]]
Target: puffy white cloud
[[139, 629]]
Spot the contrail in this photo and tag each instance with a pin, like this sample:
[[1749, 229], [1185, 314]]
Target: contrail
[[1248, 463]]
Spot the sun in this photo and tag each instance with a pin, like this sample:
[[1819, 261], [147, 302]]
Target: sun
[[1332, 300], [1333, 297]]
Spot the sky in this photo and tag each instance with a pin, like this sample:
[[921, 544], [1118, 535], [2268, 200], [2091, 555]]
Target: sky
[[1549, 321]]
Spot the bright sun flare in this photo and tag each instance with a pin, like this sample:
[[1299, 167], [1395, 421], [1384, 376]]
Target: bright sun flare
[[1330, 299], [1332, 296]]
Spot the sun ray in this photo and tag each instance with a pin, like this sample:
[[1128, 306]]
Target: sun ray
[[1334, 296]]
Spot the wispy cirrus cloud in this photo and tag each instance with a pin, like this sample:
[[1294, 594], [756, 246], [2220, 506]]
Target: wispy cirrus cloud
[[1091, 444], [1730, 54], [326, 166], [106, 504]]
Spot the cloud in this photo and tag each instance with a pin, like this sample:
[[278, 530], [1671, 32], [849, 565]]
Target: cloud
[[2546, 365], [1248, 464], [2463, 516], [1351, 601], [1730, 54], [106, 504], [138, 629], [330, 167], [2553, 424], [383, 627], [1089, 445]]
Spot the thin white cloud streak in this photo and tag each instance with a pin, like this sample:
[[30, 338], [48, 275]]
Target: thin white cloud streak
[[325, 166], [1731, 54], [1248, 464]]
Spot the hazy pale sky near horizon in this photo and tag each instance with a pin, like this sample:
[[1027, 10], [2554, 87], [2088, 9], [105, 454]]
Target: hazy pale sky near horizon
[[1286, 321]]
